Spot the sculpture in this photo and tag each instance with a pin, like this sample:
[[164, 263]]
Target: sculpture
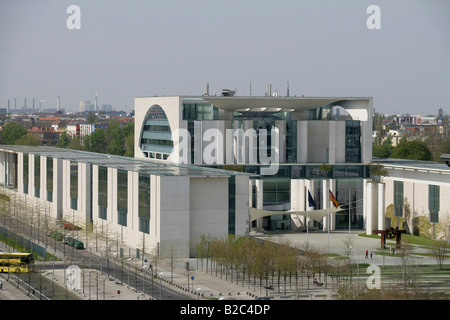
[[390, 233]]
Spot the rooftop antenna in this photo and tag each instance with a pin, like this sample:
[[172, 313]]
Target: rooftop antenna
[[287, 91]]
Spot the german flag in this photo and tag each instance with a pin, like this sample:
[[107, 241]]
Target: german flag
[[333, 199]]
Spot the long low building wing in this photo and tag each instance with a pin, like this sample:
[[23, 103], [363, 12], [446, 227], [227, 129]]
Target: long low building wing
[[313, 214]]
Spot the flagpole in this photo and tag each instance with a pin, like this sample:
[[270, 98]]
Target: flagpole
[[328, 222]]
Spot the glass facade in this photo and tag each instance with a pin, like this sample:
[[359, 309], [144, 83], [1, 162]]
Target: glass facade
[[398, 198], [102, 192], [433, 202], [26, 174], [349, 194], [122, 197], [199, 110], [74, 185], [37, 176], [232, 205], [352, 141], [144, 203], [49, 179], [156, 137]]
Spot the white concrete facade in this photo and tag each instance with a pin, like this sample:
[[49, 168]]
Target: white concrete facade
[[317, 141], [416, 177], [305, 131]]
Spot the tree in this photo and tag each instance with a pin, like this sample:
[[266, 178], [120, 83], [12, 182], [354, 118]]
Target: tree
[[28, 140], [438, 249], [95, 142], [413, 150], [75, 144], [63, 141], [12, 132]]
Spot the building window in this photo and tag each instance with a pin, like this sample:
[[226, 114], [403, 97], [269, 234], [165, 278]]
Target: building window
[[74, 185], [433, 202], [352, 141], [102, 192], [37, 176], [50, 179], [156, 135], [199, 111], [122, 197], [25, 173], [144, 203], [232, 205]]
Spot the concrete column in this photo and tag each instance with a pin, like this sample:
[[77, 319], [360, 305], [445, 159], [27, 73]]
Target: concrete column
[[259, 183], [280, 127], [297, 202], [381, 206], [302, 141], [332, 142], [333, 215], [325, 201], [56, 208], [372, 207], [309, 186], [368, 206]]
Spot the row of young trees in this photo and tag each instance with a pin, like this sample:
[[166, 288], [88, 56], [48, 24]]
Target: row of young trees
[[268, 264], [272, 265]]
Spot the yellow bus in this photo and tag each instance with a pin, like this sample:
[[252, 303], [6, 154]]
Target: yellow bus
[[16, 262]]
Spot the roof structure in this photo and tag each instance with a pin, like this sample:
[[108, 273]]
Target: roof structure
[[154, 167]]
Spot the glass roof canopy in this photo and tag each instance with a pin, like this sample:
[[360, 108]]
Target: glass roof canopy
[[154, 167]]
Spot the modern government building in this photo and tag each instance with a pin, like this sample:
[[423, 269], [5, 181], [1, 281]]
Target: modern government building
[[218, 165]]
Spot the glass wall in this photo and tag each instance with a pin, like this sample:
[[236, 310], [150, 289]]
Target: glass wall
[[144, 203], [74, 185], [199, 110], [398, 198], [433, 202], [122, 197], [352, 141], [26, 177], [232, 204], [349, 194], [37, 176], [156, 138], [50, 179], [102, 192]]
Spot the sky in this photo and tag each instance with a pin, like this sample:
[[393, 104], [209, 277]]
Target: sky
[[127, 49]]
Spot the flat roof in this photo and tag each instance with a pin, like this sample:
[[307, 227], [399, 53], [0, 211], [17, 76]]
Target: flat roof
[[154, 167], [295, 103]]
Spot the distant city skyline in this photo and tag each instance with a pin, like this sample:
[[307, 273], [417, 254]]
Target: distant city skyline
[[138, 48]]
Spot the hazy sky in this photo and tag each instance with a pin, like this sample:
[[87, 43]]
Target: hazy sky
[[129, 48]]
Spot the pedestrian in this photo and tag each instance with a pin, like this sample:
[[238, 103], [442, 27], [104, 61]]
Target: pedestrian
[[367, 254], [371, 254]]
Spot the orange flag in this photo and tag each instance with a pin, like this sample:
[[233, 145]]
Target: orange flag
[[333, 199]]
